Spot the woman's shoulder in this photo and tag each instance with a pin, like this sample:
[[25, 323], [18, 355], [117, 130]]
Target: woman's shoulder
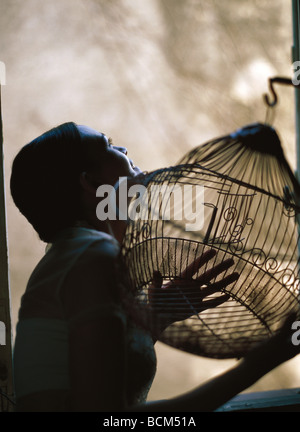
[[81, 264], [94, 247], [94, 276], [72, 248], [79, 236]]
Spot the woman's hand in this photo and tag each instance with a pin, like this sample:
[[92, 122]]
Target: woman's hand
[[184, 296]]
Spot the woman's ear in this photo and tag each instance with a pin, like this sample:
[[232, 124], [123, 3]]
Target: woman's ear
[[87, 183]]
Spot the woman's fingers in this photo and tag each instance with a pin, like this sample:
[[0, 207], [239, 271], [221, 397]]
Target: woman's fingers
[[215, 271], [217, 286], [193, 286], [199, 262], [185, 292], [189, 271], [209, 304]]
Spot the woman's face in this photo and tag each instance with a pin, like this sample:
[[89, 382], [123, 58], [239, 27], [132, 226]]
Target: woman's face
[[109, 162]]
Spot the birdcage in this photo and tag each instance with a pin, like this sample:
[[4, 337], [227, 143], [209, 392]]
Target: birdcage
[[232, 198]]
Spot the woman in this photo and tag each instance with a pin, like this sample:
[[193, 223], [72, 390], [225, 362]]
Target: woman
[[76, 348]]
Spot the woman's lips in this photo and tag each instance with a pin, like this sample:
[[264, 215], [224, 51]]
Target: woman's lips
[[135, 168]]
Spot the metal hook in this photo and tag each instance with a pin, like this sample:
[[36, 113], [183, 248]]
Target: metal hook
[[278, 80]]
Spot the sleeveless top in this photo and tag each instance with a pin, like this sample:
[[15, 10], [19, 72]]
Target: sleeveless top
[[40, 354]]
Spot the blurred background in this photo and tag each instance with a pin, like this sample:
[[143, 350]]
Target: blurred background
[[158, 76]]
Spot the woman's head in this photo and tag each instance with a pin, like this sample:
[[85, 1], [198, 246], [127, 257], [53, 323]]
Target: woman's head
[[107, 161], [46, 175]]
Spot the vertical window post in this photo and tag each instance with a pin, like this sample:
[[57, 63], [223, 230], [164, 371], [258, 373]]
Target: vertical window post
[[6, 376]]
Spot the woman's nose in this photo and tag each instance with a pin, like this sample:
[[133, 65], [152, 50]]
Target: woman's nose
[[122, 149]]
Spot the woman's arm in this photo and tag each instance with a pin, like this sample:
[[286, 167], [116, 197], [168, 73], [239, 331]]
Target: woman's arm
[[213, 394]]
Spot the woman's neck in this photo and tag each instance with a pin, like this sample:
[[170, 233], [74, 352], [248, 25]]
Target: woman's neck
[[116, 228]]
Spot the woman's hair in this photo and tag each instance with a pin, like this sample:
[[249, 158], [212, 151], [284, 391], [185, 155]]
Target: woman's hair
[[45, 180]]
